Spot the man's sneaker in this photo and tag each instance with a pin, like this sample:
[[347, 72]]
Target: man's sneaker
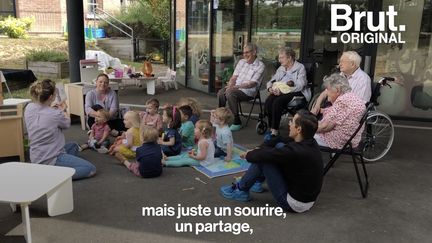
[[257, 187], [235, 127], [267, 136], [233, 193]]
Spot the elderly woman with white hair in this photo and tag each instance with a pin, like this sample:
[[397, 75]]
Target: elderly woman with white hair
[[341, 119], [288, 81]]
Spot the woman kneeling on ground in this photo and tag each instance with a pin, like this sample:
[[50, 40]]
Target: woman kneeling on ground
[[45, 126]]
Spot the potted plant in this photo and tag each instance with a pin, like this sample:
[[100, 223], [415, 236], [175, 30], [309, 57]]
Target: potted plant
[[48, 63]]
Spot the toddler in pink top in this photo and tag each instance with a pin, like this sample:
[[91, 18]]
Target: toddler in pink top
[[151, 117], [99, 132]]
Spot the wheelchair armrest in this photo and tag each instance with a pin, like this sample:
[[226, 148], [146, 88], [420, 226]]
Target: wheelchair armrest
[[296, 101]]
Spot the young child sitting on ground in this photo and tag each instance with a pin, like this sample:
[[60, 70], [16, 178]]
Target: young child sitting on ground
[[187, 127], [148, 155], [205, 154], [171, 140], [126, 144], [99, 132], [224, 139], [151, 116], [196, 108]]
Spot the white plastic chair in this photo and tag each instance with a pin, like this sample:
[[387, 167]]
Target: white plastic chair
[[169, 79], [89, 70]]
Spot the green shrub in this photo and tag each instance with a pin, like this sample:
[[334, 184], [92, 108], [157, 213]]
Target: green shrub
[[46, 56], [16, 28], [147, 18]]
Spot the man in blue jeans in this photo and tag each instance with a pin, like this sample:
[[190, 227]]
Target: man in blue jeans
[[294, 171]]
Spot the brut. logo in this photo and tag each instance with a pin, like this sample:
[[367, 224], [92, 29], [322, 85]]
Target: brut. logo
[[384, 31]]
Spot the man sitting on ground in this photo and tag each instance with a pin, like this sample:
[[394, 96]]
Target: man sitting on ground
[[242, 86], [294, 171]]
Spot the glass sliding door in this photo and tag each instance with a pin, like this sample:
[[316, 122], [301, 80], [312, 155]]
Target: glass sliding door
[[198, 37], [327, 53], [229, 36], [410, 63], [276, 24], [180, 40]]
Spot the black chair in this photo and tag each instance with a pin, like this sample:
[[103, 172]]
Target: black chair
[[253, 100], [356, 154]]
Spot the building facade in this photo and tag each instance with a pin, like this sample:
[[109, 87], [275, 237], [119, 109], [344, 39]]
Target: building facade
[[50, 15], [208, 36]]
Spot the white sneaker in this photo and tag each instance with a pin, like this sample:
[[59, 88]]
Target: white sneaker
[[114, 133], [102, 150]]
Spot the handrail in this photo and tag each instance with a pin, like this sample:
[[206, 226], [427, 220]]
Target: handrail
[[96, 9], [101, 14]]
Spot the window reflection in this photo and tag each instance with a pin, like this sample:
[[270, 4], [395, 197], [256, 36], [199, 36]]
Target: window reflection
[[410, 63]]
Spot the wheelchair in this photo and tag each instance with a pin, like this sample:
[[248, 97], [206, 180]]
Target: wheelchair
[[297, 103], [378, 134]]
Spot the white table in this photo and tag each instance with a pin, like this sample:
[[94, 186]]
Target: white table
[[125, 80], [23, 183], [16, 101]]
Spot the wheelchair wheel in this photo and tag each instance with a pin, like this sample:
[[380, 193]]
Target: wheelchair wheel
[[261, 127], [378, 136]]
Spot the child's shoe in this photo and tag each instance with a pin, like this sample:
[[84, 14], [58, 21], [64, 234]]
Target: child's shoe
[[82, 147], [114, 133], [102, 150], [232, 192], [235, 127]]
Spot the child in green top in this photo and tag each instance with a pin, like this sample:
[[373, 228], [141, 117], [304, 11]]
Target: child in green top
[[187, 127]]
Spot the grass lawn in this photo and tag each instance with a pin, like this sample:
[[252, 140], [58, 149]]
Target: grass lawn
[[13, 51]]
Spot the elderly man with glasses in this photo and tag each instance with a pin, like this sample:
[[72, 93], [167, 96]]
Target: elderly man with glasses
[[244, 83]]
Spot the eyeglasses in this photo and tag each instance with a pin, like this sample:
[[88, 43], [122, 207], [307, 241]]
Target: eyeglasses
[[247, 52]]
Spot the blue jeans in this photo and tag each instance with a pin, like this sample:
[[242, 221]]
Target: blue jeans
[[218, 151], [275, 182], [83, 168]]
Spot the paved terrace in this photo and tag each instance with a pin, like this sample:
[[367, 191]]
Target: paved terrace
[[108, 206]]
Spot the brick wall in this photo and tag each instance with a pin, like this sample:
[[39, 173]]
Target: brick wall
[[47, 13], [51, 15]]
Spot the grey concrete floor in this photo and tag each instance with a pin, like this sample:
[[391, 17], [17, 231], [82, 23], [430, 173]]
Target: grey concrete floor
[[108, 206]]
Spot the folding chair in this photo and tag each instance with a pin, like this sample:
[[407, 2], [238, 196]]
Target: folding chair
[[253, 100], [356, 154]]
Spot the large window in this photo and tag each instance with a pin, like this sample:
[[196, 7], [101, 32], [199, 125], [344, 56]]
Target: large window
[[229, 36], [180, 39], [91, 9], [7, 7], [276, 24], [198, 67], [410, 63]]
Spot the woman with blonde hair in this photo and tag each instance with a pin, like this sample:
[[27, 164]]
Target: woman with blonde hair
[[45, 125]]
